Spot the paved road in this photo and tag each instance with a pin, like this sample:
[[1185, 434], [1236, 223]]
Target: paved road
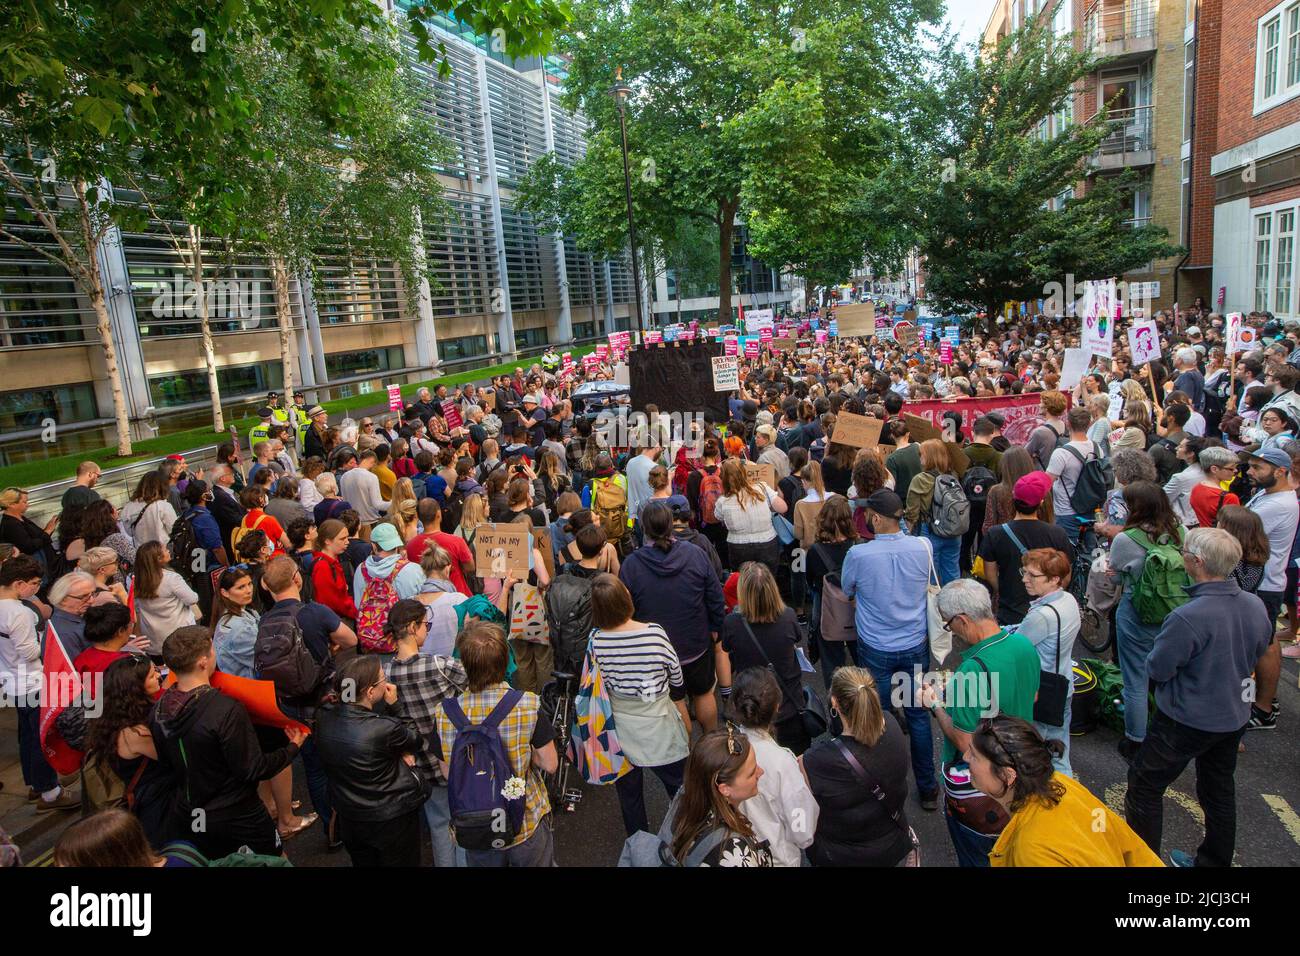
[[1268, 795]]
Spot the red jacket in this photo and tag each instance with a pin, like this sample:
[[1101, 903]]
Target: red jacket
[[330, 585]]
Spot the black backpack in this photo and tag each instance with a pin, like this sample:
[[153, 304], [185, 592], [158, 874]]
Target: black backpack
[[1095, 479], [305, 561], [281, 655], [184, 547], [451, 511], [976, 483], [568, 617]]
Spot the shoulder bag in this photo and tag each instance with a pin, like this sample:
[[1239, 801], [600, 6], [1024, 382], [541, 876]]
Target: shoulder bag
[[860, 772], [1053, 689], [812, 711]]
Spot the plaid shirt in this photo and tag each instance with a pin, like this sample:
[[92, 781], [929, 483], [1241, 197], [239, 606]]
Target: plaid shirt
[[422, 681], [517, 734]]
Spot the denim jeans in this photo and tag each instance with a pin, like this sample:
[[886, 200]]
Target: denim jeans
[[1166, 752], [317, 782], [1062, 763], [1133, 642], [947, 555], [972, 848], [883, 666], [537, 850], [437, 813], [631, 792], [37, 772]]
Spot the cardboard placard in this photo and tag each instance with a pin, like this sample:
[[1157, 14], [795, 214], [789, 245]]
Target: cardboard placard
[[761, 471], [905, 334], [781, 345], [857, 431], [542, 542], [920, 428], [858, 319], [503, 550], [909, 315], [726, 373]]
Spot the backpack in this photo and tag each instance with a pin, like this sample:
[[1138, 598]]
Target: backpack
[[838, 611], [568, 613], [452, 510], [377, 599], [609, 500], [305, 563], [103, 789], [1159, 589], [710, 492], [1094, 481], [949, 508], [183, 544], [280, 655], [1215, 400], [976, 483], [482, 817], [237, 535], [1061, 441], [242, 857]]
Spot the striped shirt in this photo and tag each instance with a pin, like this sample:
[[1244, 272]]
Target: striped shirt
[[638, 663]]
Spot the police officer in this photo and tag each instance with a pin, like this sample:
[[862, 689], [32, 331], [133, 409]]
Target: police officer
[[280, 415], [299, 418], [262, 430], [551, 360]]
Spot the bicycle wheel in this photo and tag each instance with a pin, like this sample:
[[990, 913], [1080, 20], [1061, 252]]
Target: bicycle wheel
[[1094, 630]]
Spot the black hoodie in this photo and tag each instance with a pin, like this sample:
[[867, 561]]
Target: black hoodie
[[207, 741]]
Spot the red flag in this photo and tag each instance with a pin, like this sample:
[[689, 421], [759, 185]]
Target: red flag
[[740, 304], [62, 686]]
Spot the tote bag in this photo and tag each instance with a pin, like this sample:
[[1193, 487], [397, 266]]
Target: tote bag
[[593, 747], [940, 636]]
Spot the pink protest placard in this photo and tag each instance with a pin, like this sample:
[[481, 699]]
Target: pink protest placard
[[752, 347], [452, 415], [945, 352], [821, 335], [731, 346], [765, 334]]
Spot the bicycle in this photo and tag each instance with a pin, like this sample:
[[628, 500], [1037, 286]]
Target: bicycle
[[1094, 629], [557, 699]]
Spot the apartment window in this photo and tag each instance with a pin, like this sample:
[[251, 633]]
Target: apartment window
[[1189, 87], [1285, 249], [1263, 250], [1190, 12], [1061, 21], [1277, 56]]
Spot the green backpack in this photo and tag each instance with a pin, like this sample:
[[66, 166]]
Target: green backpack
[[1161, 587]]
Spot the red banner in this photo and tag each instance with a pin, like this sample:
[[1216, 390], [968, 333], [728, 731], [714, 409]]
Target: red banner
[[1019, 412]]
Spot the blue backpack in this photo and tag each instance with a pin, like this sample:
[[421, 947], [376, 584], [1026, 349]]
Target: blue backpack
[[482, 816]]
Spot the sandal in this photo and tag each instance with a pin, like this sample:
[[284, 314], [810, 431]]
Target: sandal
[[304, 823]]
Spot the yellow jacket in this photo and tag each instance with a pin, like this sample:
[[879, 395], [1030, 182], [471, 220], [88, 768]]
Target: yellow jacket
[[1079, 831]]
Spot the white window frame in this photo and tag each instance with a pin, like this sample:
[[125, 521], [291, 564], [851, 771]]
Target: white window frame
[[1286, 64], [1258, 238]]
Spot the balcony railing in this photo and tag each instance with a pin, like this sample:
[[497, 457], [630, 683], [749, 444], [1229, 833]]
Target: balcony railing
[[1137, 223], [1129, 141], [1114, 29]]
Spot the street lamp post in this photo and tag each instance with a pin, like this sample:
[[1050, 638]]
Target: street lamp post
[[621, 91]]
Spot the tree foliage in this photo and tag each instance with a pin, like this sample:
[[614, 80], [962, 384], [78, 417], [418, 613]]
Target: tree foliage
[[989, 197]]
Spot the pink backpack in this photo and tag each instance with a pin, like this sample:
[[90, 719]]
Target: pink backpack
[[377, 598]]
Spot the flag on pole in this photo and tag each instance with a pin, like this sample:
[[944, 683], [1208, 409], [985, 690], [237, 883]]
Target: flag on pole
[[61, 687]]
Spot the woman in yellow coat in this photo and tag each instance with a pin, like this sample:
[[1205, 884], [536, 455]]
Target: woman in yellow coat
[[1055, 821]]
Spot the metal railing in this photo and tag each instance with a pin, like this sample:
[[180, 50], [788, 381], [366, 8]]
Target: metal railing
[[1130, 133], [1137, 222], [1114, 27]]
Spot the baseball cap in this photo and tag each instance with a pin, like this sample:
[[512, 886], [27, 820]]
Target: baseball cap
[[1032, 488], [1193, 330], [1274, 456], [385, 537], [885, 503], [530, 399], [681, 508]]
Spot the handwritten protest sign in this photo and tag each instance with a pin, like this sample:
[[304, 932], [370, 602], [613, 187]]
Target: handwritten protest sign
[[857, 431], [726, 373], [761, 471], [503, 550]]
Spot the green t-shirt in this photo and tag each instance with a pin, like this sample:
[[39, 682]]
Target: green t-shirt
[[1009, 687]]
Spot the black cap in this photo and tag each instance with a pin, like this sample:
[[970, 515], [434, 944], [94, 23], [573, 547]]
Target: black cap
[[885, 503], [265, 412]]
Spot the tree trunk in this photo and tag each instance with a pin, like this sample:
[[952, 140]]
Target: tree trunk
[[280, 272], [94, 281], [205, 327], [726, 226]]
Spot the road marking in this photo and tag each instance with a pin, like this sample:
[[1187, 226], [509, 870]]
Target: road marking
[[45, 859], [1289, 818], [1115, 800]]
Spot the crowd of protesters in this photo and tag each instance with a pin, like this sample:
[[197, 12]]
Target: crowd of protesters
[[338, 562]]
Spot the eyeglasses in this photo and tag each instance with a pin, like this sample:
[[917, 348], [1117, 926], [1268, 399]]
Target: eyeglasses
[[1026, 573]]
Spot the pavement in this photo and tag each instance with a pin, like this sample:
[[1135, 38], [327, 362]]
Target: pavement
[[1268, 802]]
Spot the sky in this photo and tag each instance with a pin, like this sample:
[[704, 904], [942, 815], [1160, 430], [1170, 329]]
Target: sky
[[967, 18]]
